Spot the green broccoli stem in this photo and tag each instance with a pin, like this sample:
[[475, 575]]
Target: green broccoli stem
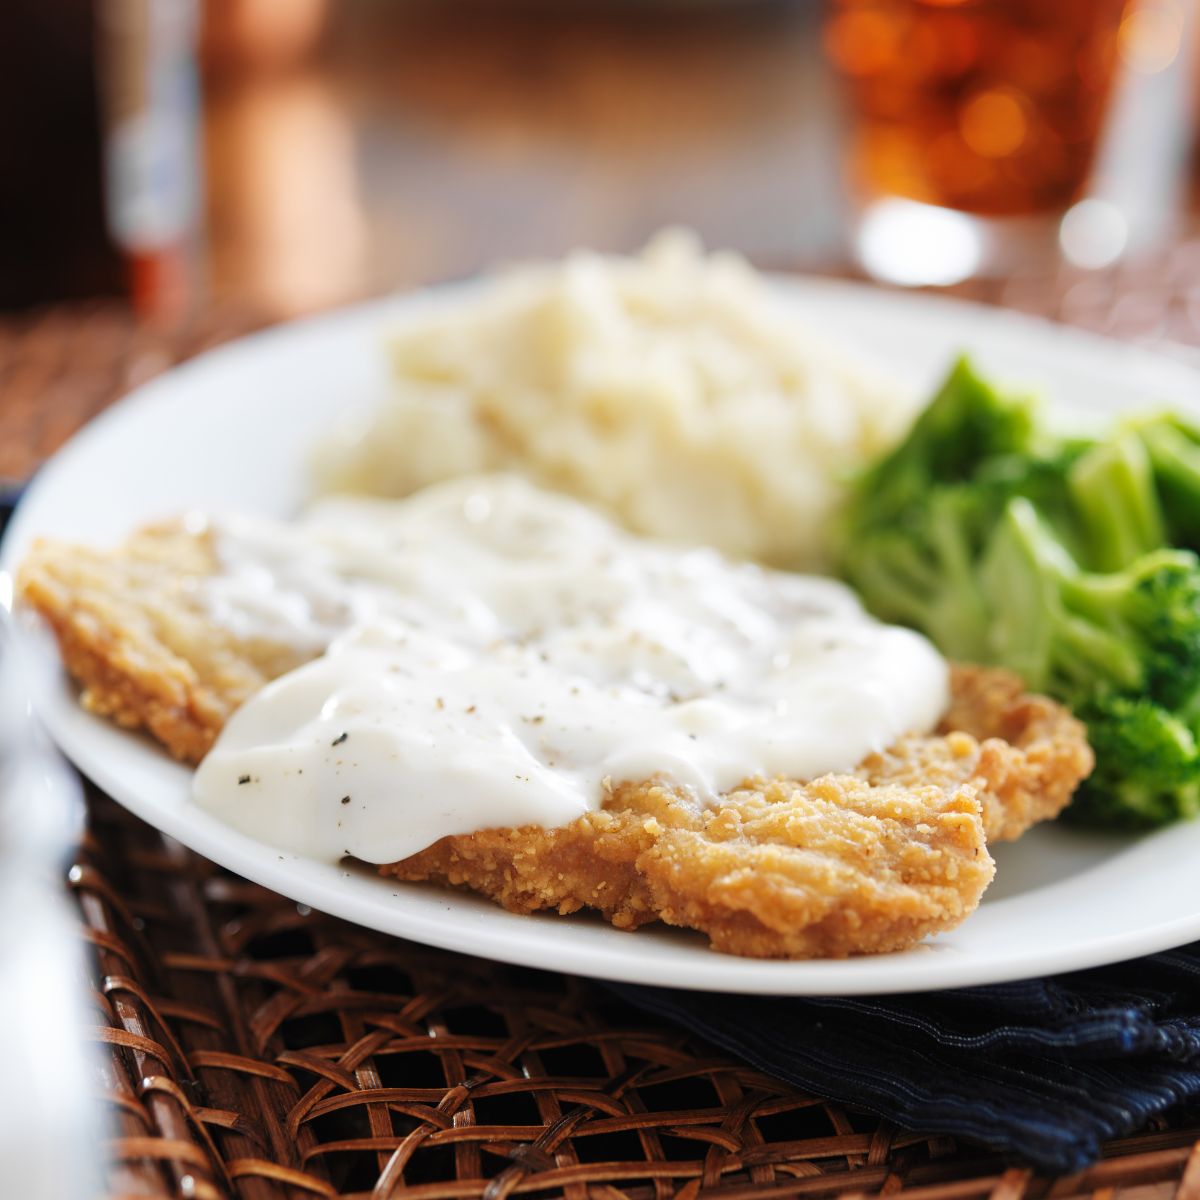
[[907, 585], [1116, 503], [1053, 625], [1175, 457]]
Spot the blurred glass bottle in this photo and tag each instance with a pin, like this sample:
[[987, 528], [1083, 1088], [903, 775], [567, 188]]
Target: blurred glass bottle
[[55, 245], [147, 51], [976, 124]]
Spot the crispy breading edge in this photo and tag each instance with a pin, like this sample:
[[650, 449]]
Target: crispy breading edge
[[1029, 753], [829, 868], [131, 632], [774, 871]]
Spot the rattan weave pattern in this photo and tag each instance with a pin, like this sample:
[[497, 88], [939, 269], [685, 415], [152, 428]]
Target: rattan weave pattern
[[252, 1048], [60, 365]]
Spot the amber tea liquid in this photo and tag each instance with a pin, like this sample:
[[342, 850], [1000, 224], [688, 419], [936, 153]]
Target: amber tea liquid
[[989, 106]]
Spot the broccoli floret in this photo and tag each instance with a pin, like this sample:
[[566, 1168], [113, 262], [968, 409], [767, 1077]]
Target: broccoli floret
[[925, 577], [1153, 606], [967, 426], [920, 518], [1147, 766], [1049, 557]]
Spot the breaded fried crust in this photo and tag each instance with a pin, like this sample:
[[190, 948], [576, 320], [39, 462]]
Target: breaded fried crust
[[132, 628], [830, 868], [869, 861], [1025, 753]]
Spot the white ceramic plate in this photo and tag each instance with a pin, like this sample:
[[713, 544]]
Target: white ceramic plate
[[231, 430]]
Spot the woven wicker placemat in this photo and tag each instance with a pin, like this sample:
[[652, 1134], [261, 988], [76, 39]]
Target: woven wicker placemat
[[253, 1049], [61, 365]]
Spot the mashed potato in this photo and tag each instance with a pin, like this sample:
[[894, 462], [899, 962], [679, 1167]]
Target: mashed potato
[[676, 390]]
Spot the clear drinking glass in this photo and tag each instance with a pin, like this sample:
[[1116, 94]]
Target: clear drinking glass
[[974, 125]]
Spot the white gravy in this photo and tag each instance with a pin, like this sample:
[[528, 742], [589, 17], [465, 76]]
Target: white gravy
[[496, 655]]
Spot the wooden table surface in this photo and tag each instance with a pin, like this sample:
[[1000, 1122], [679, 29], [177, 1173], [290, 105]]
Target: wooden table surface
[[423, 141]]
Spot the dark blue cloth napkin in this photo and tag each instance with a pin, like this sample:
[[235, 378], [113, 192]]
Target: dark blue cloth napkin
[[1043, 1071]]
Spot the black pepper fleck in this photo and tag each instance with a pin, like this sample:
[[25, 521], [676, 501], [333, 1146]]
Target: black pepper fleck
[[341, 737], [345, 799], [243, 779]]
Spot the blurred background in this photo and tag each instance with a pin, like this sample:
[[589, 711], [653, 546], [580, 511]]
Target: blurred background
[[176, 172], [284, 157]]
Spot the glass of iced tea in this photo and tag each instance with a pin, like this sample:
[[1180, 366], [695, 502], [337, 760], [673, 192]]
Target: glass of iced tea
[[975, 123]]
